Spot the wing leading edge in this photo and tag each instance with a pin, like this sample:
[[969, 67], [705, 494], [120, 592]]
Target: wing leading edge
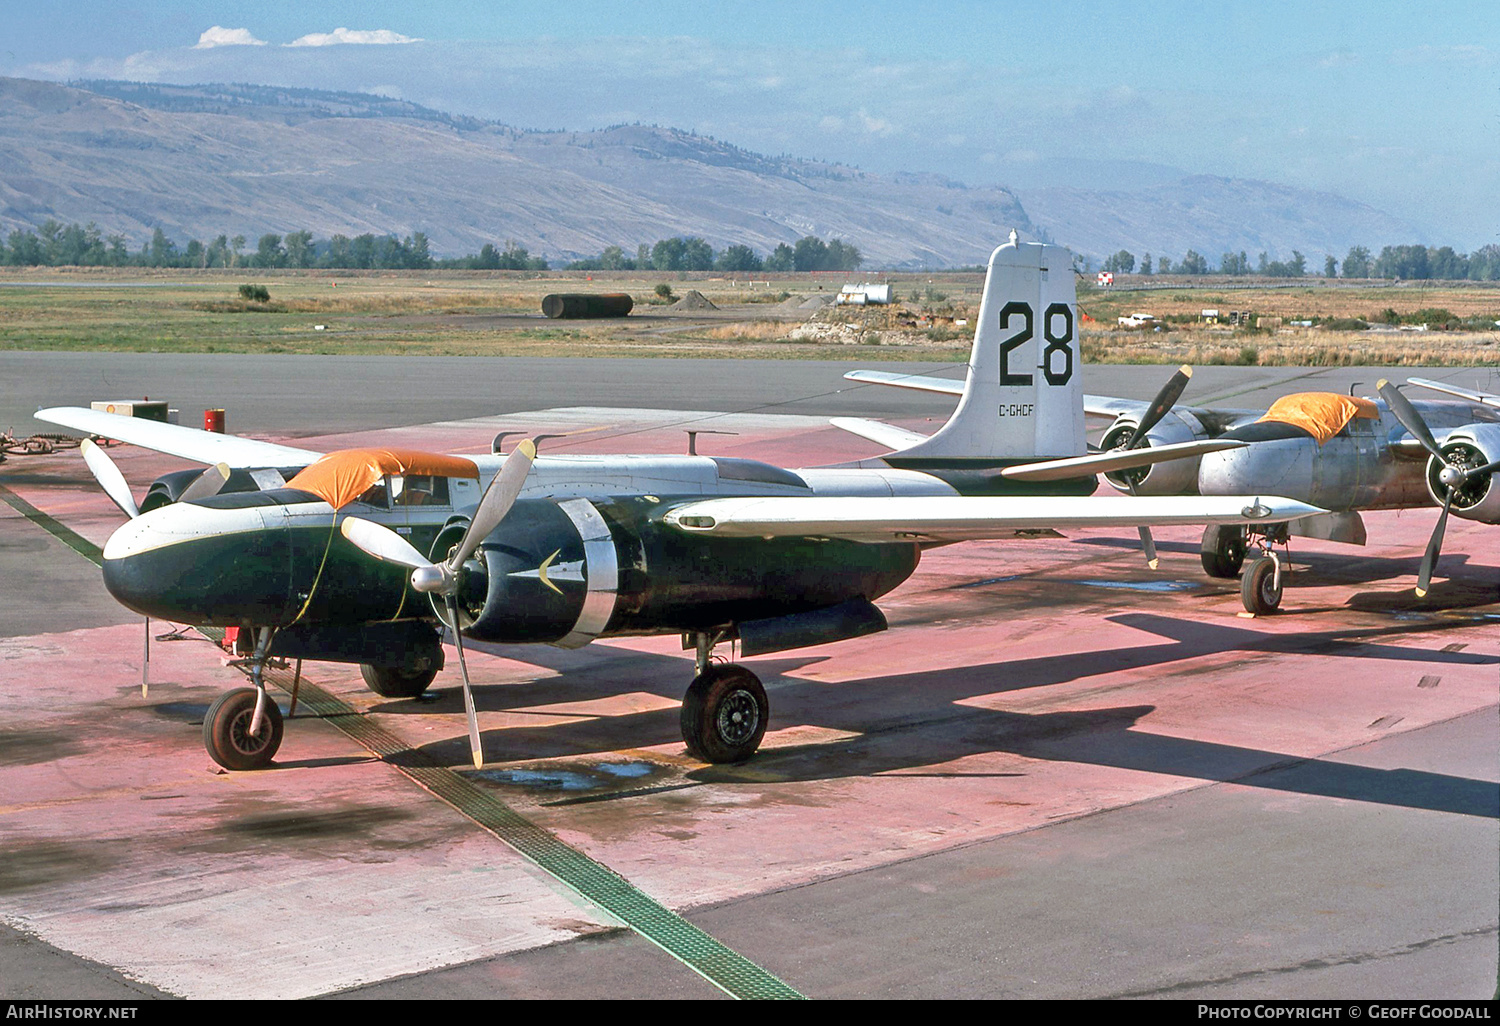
[[175, 440], [941, 518]]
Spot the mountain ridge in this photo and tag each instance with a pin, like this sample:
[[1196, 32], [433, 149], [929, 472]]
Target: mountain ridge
[[202, 160]]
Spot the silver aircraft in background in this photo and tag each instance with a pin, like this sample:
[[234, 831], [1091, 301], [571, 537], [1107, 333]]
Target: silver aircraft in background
[[1342, 453]]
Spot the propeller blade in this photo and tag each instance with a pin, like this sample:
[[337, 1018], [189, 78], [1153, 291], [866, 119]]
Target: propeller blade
[[1162, 404], [382, 543], [1434, 545], [499, 497], [109, 477], [1486, 469], [210, 482], [1148, 546], [475, 748], [1410, 419]]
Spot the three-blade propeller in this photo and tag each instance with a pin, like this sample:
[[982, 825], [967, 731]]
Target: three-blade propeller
[[443, 578], [1159, 408], [1451, 477], [113, 482]]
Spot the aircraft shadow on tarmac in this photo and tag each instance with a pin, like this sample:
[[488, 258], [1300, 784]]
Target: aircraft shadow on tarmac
[[1334, 568], [916, 720]]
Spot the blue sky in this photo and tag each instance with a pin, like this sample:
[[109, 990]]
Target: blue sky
[[1393, 104]]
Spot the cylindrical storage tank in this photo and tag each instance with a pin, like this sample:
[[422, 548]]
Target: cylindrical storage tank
[[575, 305], [213, 420]]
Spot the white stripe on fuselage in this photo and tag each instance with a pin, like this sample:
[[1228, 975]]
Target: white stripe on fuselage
[[553, 477]]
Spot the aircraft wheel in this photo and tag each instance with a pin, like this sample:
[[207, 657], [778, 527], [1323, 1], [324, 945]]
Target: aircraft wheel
[[1258, 590], [1223, 550], [226, 731], [724, 714], [394, 682]]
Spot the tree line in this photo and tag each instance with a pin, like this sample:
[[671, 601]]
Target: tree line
[[1415, 262], [55, 244], [810, 253]]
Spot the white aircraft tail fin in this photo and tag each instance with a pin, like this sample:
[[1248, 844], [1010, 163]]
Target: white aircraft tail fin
[[1023, 398]]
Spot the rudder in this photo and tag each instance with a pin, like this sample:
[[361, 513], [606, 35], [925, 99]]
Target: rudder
[[1023, 397]]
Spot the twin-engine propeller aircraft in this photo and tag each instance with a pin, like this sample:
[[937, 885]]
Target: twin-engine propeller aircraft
[[361, 553], [1343, 453]]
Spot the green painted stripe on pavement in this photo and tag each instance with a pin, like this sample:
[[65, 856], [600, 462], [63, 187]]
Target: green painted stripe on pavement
[[726, 969], [85, 548]]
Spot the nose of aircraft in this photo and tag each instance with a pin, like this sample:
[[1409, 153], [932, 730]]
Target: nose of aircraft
[[203, 565]]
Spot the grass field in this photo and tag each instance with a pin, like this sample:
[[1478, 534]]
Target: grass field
[[498, 314]]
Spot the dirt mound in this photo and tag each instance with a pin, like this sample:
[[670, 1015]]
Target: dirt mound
[[692, 299], [815, 303]]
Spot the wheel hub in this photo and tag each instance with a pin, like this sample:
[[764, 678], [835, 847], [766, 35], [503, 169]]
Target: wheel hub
[[244, 741], [738, 717]]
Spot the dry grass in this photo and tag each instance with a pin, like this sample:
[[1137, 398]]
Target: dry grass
[[497, 313]]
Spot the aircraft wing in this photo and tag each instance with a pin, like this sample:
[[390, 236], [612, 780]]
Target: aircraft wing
[[1484, 398], [1116, 459], [920, 382], [175, 440], [1109, 406], [940, 518]]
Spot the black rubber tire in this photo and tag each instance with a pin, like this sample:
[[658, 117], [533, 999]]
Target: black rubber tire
[[1222, 551], [393, 682], [724, 714], [226, 731], [1258, 592]]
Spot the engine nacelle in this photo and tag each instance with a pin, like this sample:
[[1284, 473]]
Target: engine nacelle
[[1477, 498], [168, 488], [567, 572], [1174, 477]]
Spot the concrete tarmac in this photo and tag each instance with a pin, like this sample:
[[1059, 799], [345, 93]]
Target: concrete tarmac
[[1058, 775]]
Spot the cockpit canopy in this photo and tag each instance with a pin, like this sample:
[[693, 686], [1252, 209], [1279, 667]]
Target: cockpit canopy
[[1321, 414], [340, 478]]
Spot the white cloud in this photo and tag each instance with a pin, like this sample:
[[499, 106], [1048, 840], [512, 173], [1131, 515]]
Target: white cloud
[[362, 37], [220, 36]]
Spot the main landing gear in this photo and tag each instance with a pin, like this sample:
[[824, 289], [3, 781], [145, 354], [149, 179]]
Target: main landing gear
[[1224, 551], [243, 728], [725, 711]]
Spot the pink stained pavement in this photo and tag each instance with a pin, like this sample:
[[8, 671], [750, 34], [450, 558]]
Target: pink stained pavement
[[1022, 683]]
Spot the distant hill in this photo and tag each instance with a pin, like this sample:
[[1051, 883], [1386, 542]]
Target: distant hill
[[198, 161], [1215, 216]]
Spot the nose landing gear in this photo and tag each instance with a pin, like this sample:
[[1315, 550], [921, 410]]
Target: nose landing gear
[[242, 729], [1261, 586]]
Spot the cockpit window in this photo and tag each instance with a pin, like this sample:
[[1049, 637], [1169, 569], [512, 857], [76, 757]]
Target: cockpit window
[[419, 490], [377, 495]]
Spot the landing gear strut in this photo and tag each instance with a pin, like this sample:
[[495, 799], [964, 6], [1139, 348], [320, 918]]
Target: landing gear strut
[[242, 729], [1260, 588], [725, 711]]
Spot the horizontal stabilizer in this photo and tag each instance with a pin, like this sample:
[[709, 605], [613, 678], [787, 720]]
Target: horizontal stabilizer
[[943, 518], [879, 432], [921, 383], [1125, 459], [175, 440], [1486, 398]]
